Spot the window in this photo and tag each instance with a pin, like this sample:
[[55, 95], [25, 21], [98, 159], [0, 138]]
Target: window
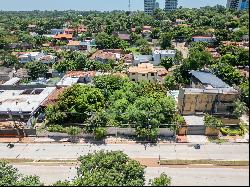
[[143, 75], [152, 74], [133, 79], [133, 73]]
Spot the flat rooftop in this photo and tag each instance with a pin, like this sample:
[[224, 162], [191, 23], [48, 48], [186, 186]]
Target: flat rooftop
[[211, 90], [67, 81], [27, 100]]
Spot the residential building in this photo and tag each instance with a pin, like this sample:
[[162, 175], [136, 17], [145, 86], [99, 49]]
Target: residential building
[[74, 77], [31, 28], [157, 5], [171, 5], [147, 72], [139, 59], [80, 29], [53, 97], [160, 54], [63, 37], [105, 56], [238, 4], [78, 45], [48, 59], [180, 21], [25, 57], [56, 31], [22, 73], [213, 52], [22, 103], [149, 6], [208, 39], [5, 74], [207, 94], [123, 35], [244, 44]]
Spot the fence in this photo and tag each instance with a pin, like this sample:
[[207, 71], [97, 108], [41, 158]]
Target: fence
[[16, 133]]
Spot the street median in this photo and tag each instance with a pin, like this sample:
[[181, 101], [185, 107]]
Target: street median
[[201, 162]]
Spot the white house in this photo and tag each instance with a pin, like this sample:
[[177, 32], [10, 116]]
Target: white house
[[30, 56], [203, 38], [160, 54]]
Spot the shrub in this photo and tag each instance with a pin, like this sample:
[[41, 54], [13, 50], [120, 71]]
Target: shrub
[[233, 131], [163, 180], [56, 128], [212, 122], [149, 134], [99, 133]]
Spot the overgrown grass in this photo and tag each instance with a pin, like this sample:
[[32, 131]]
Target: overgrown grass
[[216, 140], [57, 128], [134, 50], [233, 131], [214, 162]]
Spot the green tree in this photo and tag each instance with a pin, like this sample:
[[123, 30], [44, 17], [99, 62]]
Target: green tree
[[239, 108], [9, 176], [76, 104], [244, 89], [109, 83], [108, 169], [167, 63], [170, 82], [99, 133], [73, 132], [165, 40], [229, 59], [145, 50], [36, 69], [212, 122], [163, 180]]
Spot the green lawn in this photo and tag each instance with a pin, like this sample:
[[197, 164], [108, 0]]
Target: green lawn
[[134, 50]]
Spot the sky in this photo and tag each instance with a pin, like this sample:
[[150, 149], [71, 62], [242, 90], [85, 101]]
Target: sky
[[100, 5]]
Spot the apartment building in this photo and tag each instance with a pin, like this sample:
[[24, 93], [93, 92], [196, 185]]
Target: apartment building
[[171, 5], [207, 94], [146, 72], [149, 6], [238, 4]]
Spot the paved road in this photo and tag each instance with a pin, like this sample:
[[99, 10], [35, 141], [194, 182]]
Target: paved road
[[180, 176], [165, 151]]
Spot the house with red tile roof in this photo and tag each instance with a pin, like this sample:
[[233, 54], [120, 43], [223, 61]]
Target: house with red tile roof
[[63, 37]]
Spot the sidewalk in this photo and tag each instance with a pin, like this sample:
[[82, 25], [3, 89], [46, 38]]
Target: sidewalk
[[109, 140]]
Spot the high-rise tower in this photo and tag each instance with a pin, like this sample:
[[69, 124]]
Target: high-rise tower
[[149, 6], [171, 5], [238, 4]]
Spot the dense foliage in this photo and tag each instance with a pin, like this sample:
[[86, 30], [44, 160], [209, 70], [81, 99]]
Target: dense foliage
[[108, 169], [9, 176]]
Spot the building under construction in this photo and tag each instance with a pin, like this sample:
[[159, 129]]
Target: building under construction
[[207, 94]]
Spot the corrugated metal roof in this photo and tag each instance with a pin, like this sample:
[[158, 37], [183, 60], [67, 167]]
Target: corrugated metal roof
[[209, 78]]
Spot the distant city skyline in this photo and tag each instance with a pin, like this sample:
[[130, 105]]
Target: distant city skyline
[[100, 5]]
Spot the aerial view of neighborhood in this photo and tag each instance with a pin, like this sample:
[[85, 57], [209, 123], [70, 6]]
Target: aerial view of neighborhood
[[124, 93]]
